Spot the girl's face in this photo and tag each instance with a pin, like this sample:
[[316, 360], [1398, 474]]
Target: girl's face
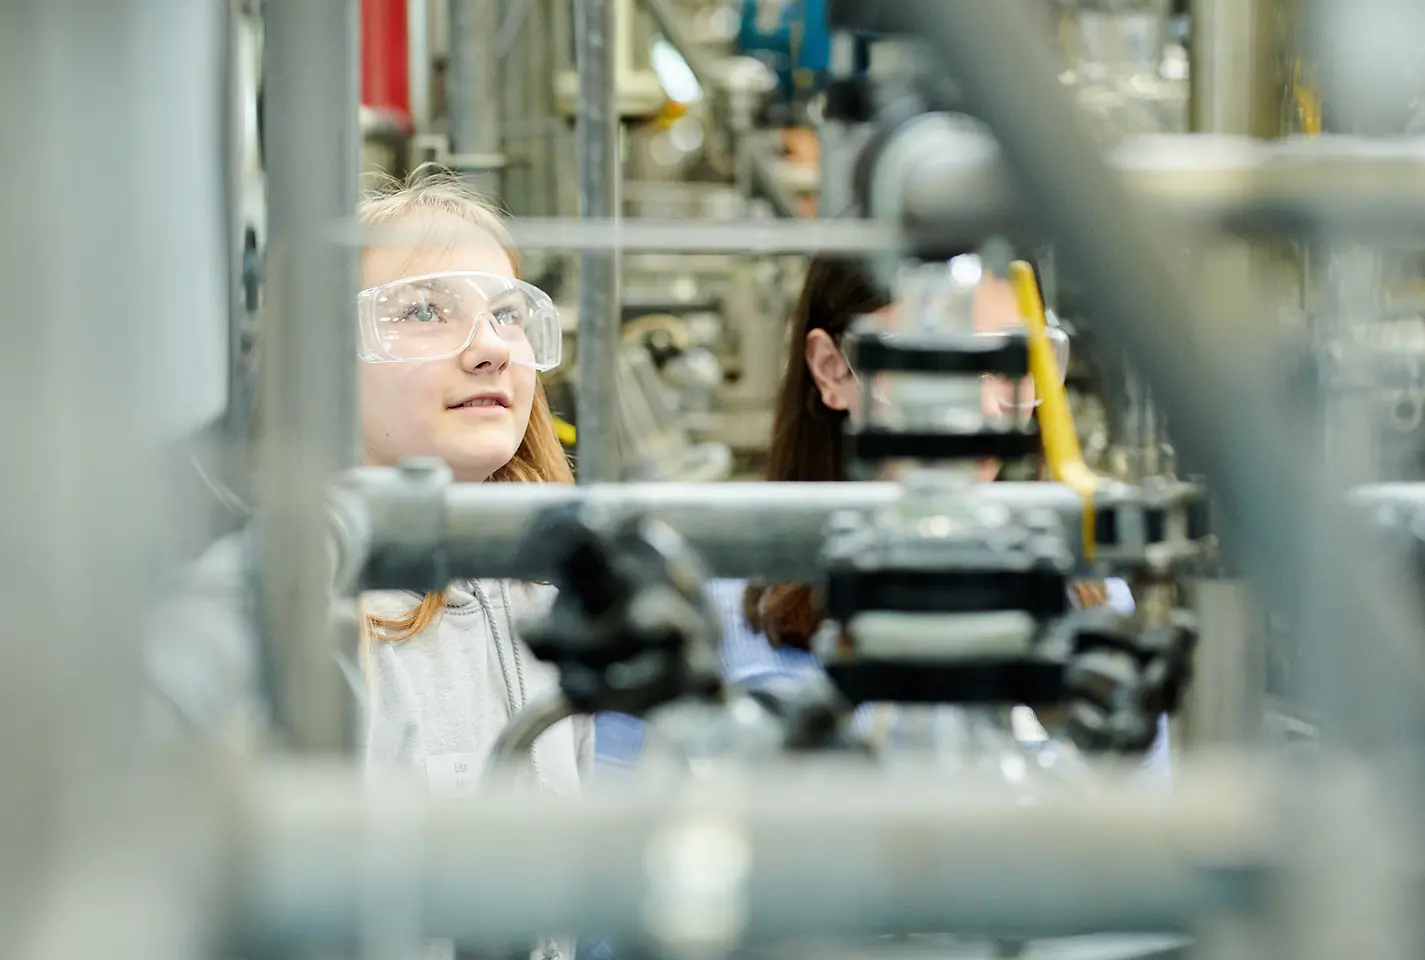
[[996, 309], [421, 408]]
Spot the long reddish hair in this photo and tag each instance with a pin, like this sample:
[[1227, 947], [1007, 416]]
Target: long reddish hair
[[540, 457], [806, 433]]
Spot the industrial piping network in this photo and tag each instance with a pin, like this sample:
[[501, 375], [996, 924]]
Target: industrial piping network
[[298, 853]]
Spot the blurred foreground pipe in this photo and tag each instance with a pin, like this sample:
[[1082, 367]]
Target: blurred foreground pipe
[[814, 852], [309, 402], [112, 250]]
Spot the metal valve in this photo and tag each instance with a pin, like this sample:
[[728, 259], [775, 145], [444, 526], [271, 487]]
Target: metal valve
[[1122, 677], [630, 629]]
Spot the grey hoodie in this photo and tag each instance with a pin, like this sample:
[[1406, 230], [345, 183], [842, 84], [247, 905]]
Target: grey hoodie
[[435, 703]]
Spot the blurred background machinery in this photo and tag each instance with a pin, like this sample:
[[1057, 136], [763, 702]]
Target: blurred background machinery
[[1274, 167], [728, 112]]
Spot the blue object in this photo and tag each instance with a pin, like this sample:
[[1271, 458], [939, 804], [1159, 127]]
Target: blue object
[[792, 38]]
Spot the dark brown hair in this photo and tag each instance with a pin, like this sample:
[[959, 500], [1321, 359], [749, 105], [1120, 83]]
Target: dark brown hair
[[806, 433]]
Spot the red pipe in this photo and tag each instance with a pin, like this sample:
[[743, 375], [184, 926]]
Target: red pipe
[[385, 59]]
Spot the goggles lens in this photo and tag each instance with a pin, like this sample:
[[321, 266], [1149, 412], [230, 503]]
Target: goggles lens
[[1020, 396], [440, 315], [1006, 393]]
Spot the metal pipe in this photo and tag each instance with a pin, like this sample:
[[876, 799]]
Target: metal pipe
[[961, 187], [598, 134], [772, 530], [477, 139], [1198, 360], [1233, 68], [824, 852], [419, 64], [113, 339], [1226, 703], [239, 393], [309, 402]]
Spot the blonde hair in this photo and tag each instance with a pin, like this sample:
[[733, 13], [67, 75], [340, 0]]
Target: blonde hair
[[540, 457]]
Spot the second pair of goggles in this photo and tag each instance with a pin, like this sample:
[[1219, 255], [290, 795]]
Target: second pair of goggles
[[440, 315], [1021, 394], [1006, 392]]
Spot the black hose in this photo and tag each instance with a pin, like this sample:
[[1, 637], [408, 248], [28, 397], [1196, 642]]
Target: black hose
[[1207, 356]]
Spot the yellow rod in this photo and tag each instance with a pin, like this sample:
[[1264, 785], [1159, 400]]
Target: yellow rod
[[1056, 422]]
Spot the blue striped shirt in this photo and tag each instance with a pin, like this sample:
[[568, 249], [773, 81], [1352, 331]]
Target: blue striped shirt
[[750, 662]]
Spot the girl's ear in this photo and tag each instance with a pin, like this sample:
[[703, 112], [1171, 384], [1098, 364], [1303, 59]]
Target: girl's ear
[[829, 370]]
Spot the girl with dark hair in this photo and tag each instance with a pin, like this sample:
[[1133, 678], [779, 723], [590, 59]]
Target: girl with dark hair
[[768, 628]]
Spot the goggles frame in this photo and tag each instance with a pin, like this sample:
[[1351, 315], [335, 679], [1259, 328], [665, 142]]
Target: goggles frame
[[543, 314]]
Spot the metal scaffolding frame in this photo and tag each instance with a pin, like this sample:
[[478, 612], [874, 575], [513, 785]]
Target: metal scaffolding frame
[[303, 855]]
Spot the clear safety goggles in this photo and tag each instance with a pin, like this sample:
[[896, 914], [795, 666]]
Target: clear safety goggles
[[1020, 396], [441, 314]]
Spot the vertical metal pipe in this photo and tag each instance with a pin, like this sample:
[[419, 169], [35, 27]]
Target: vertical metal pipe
[[419, 63], [1234, 76], [597, 131], [111, 250], [473, 94], [1235, 91], [309, 401], [31, 734], [1227, 700]]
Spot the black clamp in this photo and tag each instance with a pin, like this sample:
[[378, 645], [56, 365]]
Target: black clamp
[[1122, 678], [870, 352], [630, 629], [975, 571]]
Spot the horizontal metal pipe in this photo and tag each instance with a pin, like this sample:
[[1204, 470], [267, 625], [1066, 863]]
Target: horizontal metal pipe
[[1405, 495], [751, 237], [961, 186], [819, 850], [742, 530]]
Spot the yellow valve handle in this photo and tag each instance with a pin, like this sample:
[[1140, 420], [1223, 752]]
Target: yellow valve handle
[[1056, 422], [565, 432]]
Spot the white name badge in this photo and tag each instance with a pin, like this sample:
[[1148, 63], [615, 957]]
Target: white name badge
[[454, 774]]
